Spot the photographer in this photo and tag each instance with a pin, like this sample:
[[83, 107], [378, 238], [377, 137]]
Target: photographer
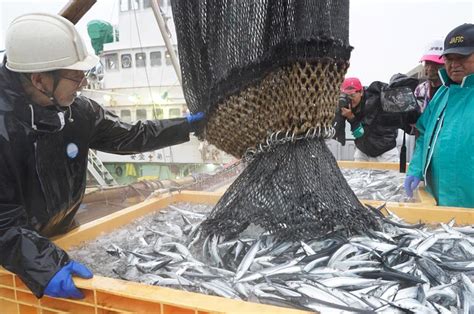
[[374, 139]]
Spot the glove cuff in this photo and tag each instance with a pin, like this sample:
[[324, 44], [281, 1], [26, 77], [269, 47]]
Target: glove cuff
[[358, 132]]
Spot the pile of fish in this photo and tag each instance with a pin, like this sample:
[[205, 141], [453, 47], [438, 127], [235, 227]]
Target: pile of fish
[[375, 184], [402, 268]]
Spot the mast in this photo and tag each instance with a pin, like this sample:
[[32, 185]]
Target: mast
[[74, 10], [161, 24]]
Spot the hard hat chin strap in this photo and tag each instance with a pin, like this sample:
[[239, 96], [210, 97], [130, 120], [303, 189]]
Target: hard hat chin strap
[[50, 95], [56, 80]]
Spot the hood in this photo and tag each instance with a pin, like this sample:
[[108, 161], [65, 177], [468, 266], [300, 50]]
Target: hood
[[38, 119]]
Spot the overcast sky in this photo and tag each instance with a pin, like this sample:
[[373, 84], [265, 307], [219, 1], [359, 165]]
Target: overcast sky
[[388, 36]]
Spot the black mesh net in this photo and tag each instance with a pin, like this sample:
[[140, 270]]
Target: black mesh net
[[295, 191], [267, 73], [225, 46]]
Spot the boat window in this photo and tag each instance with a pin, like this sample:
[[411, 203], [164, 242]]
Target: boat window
[[126, 115], [140, 59], [157, 113], [111, 61], [134, 5], [124, 5], [174, 113], [146, 4], [168, 57], [126, 61], [141, 114], [155, 58]]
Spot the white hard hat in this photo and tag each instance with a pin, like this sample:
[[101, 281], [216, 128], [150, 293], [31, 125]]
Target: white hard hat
[[41, 42]]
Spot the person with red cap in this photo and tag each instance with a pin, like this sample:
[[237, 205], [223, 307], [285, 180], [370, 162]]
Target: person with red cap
[[373, 138], [432, 63]]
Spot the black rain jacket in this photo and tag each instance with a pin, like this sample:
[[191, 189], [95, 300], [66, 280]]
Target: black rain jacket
[[43, 167], [380, 133]]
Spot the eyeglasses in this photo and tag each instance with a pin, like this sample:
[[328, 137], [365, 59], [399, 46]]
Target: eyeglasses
[[79, 82]]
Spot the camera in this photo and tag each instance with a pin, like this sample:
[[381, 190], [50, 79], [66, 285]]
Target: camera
[[344, 101]]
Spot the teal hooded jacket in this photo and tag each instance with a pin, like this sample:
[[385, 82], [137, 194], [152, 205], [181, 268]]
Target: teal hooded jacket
[[444, 152]]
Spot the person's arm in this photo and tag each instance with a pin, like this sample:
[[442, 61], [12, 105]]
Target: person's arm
[[364, 119], [110, 134], [415, 169], [416, 163], [357, 127], [339, 122], [339, 125], [35, 259]]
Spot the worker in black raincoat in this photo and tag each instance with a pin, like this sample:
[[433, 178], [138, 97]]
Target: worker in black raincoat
[[46, 130]]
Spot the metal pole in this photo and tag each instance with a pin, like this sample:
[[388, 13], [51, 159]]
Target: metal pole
[[161, 24], [74, 10]]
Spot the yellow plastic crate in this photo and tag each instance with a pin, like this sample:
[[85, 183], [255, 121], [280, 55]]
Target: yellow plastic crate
[[107, 295], [424, 209]]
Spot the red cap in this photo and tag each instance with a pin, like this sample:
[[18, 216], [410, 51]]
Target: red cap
[[433, 52], [351, 85]]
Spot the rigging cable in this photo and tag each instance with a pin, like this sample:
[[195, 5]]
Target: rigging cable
[[141, 49]]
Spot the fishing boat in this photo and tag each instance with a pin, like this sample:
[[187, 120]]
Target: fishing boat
[[136, 80]]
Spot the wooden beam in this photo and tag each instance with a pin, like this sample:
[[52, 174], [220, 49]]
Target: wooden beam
[[369, 165], [74, 10]]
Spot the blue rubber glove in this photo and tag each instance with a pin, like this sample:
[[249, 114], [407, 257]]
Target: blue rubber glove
[[411, 182], [62, 286], [198, 116]]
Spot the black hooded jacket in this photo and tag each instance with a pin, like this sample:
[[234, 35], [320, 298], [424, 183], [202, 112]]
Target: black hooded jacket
[[43, 167], [380, 133]]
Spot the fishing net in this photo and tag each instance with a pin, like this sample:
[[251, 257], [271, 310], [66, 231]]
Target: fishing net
[[267, 73], [295, 191]]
